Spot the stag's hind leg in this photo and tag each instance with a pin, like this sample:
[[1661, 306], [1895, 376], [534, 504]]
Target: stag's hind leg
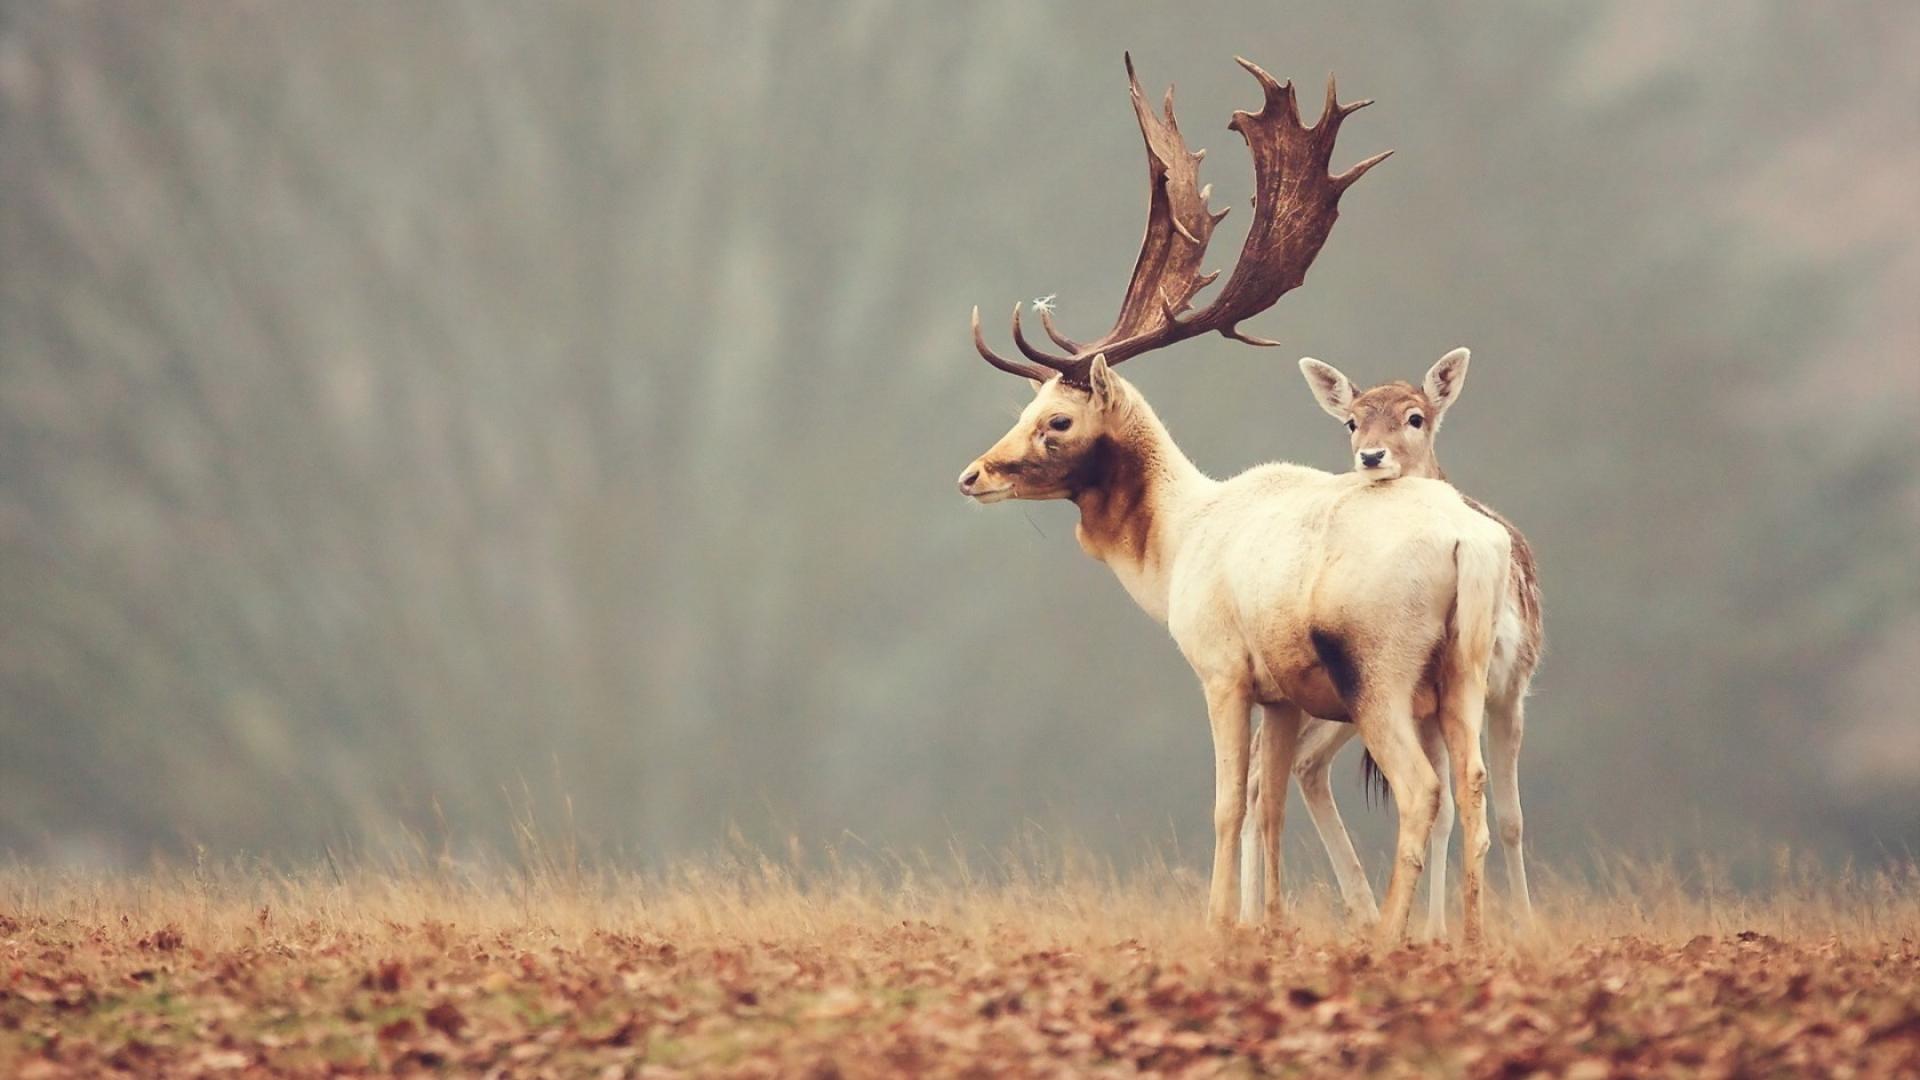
[[1387, 726], [1462, 706]]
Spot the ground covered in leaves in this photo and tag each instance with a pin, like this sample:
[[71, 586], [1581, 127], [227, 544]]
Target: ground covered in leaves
[[715, 977]]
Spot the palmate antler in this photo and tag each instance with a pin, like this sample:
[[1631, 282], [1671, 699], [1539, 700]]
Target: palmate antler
[[1295, 203]]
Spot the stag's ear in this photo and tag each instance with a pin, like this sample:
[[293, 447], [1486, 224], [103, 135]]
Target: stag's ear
[[1037, 385], [1103, 383], [1444, 380], [1331, 389]]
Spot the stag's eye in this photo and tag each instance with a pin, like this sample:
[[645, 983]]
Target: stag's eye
[[1060, 423], [1352, 426], [1416, 420]]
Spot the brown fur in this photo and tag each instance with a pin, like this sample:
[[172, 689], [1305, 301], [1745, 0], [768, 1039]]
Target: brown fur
[[1117, 509], [1524, 587]]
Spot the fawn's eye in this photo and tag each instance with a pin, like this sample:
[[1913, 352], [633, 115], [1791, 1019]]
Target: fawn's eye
[[1060, 423], [1415, 420], [1351, 426]]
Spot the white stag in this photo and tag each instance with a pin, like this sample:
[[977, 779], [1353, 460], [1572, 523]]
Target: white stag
[[1393, 431], [1305, 592]]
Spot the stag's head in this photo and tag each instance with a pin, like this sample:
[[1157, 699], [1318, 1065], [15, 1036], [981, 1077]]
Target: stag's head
[[1392, 426], [1055, 448]]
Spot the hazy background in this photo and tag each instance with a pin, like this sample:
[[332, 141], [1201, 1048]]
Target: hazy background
[[411, 412]]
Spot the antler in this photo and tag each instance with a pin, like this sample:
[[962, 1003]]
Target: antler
[[1295, 203]]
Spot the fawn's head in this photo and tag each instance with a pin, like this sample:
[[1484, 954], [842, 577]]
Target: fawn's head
[[1392, 426]]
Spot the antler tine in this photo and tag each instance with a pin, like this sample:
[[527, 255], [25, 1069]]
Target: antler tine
[[1277, 92], [1237, 334], [1352, 107], [1346, 179], [1011, 367], [1058, 363], [1206, 196], [1270, 85], [1060, 339], [1333, 113]]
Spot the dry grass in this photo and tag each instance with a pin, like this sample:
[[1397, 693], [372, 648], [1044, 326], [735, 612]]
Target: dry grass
[[1042, 962]]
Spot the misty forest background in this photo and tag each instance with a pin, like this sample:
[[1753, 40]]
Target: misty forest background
[[415, 416]]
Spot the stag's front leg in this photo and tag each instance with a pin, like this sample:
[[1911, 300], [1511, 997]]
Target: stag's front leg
[[1461, 716], [1227, 708], [1280, 733], [1387, 727]]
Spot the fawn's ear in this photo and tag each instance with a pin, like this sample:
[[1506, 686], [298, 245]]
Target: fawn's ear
[[1444, 381], [1331, 389]]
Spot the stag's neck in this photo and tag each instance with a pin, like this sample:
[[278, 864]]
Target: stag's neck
[[1134, 504]]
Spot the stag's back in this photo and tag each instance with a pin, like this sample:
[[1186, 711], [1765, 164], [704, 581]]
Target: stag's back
[[1282, 550]]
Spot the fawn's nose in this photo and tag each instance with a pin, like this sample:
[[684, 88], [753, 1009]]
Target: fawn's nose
[[1371, 459], [968, 479]]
